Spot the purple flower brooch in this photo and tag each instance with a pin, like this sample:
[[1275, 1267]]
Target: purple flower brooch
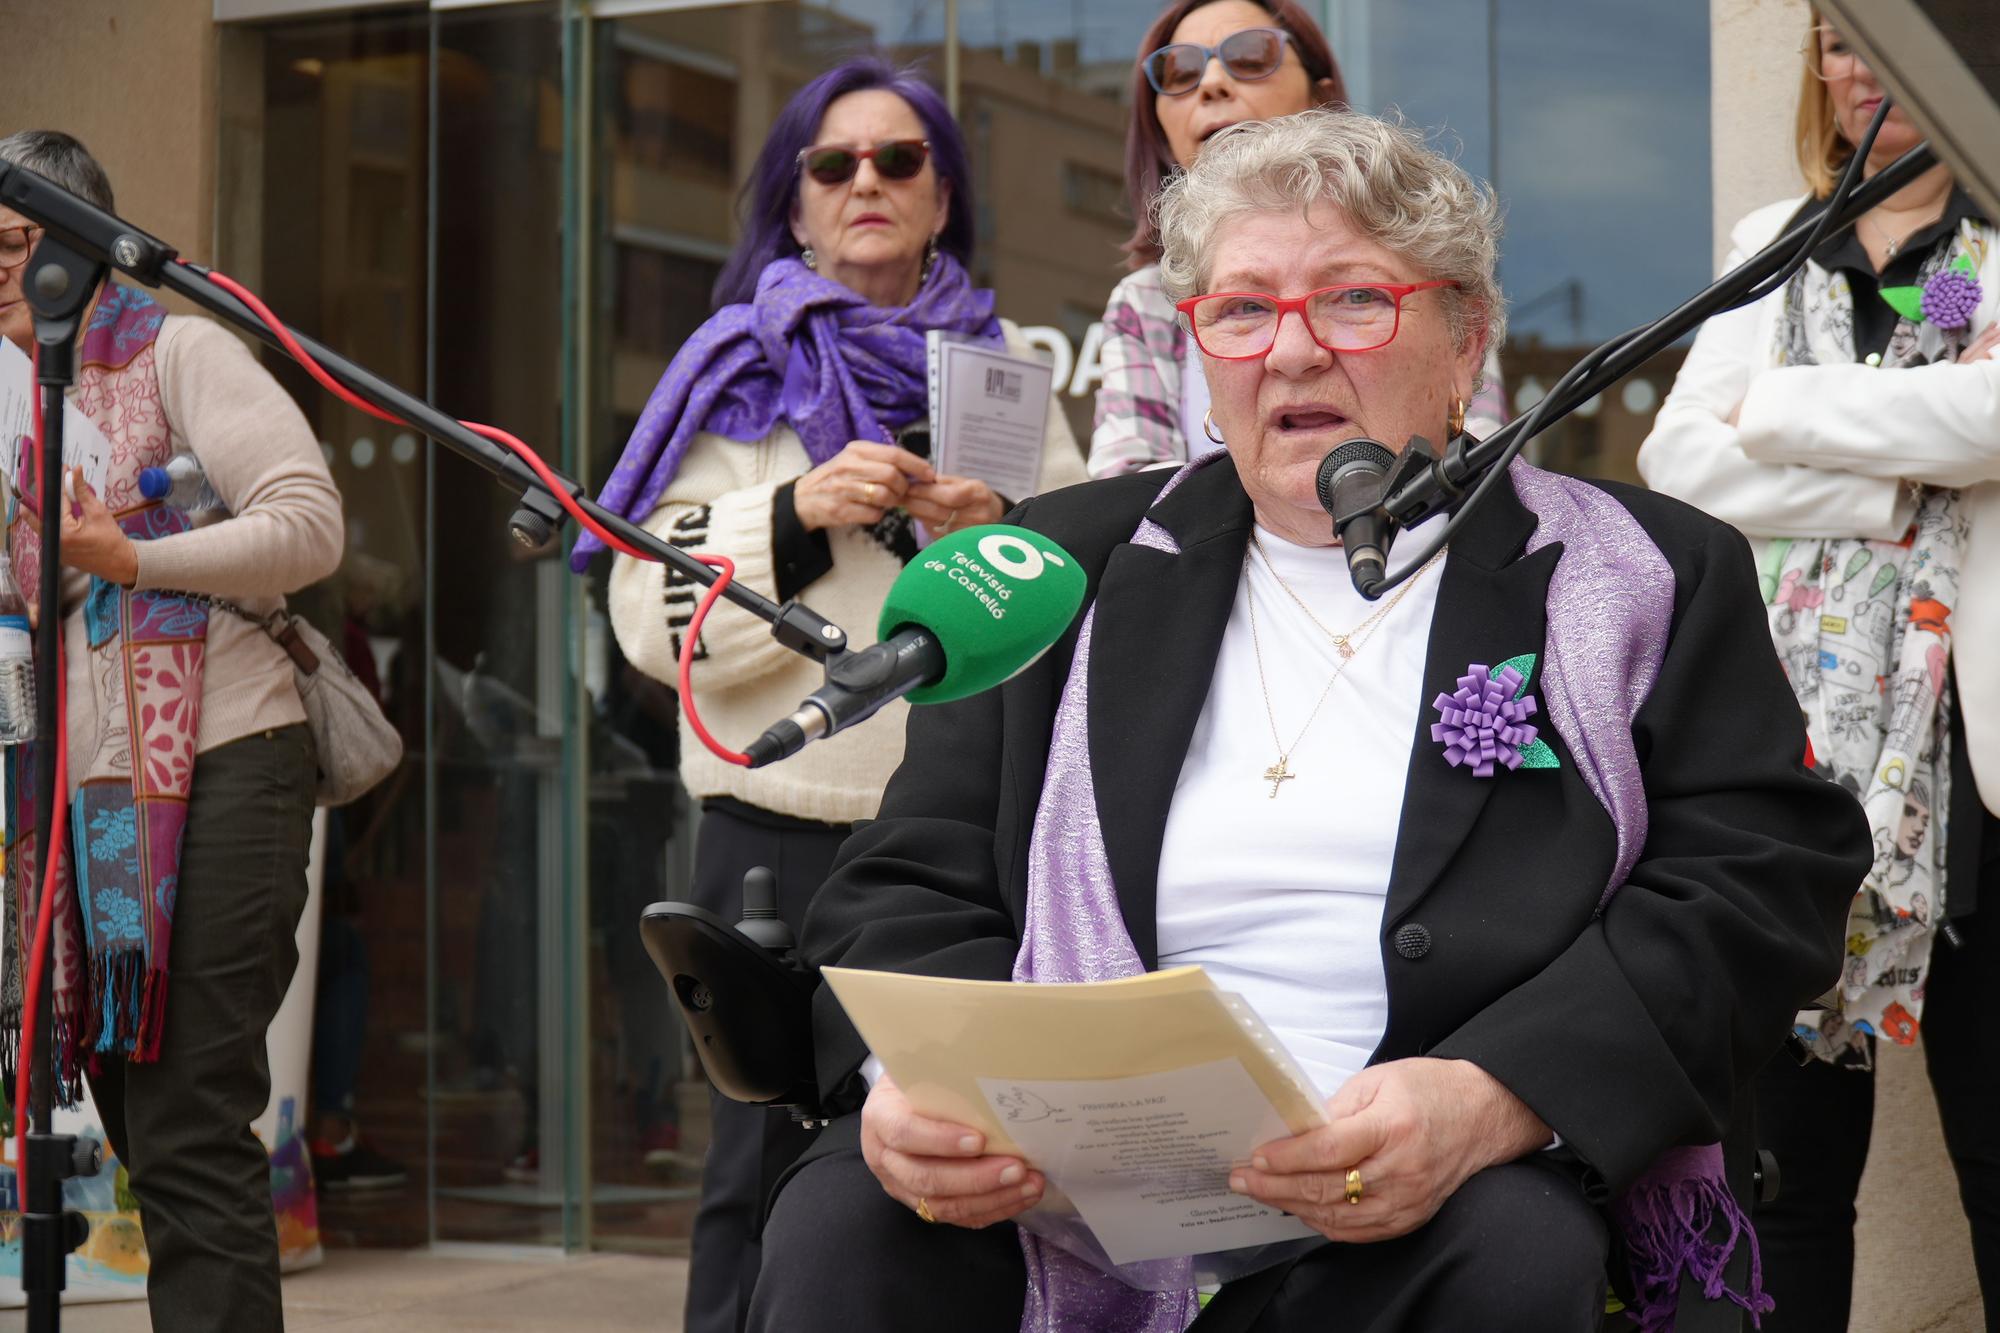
[[1946, 301], [1486, 722]]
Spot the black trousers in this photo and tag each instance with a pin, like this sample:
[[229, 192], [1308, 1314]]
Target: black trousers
[[181, 1124], [749, 1146], [1517, 1250], [1816, 1119]]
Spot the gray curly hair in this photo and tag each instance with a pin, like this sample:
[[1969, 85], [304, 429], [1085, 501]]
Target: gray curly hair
[[1413, 201]]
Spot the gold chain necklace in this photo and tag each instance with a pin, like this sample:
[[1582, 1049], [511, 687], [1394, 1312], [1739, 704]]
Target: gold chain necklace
[[1349, 644], [1345, 643]]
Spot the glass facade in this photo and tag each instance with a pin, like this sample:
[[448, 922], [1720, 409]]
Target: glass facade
[[518, 210]]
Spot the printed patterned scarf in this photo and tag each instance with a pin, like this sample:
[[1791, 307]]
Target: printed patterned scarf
[[115, 907], [1863, 630], [1609, 604], [808, 351]]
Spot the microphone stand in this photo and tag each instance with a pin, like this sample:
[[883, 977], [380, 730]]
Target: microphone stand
[[59, 283], [80, 244], [1420, 483], [104, 239]]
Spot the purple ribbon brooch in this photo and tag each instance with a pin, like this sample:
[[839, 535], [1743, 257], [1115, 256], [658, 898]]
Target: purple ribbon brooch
[[1486, 720], [1947, 300]]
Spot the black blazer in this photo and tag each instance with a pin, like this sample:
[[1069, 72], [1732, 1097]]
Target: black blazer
[[1628, 1032]]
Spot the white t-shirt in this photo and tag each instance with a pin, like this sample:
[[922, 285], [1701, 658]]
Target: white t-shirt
[[1281, 898]]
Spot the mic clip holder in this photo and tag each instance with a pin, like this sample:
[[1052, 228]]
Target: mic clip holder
[[1420, 483], [533, 525]]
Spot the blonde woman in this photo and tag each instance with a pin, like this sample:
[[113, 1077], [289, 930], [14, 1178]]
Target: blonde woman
[[1849, 424]]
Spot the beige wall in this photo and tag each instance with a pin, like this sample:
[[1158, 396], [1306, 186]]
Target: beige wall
[[135, 80], [1753, 94]]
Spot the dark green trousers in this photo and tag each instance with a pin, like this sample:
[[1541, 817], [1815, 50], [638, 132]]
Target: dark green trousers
[[181, 1124]]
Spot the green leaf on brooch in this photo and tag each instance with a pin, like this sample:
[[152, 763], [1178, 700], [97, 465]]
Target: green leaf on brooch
[[1964, 264], [1907, 302], [1525, 664], [1537, 754]]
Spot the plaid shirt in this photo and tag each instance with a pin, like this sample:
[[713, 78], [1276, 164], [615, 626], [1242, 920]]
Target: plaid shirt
[[1139, 401], [1138, 422]]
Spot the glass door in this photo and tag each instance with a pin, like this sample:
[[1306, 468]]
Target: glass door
[[393, 181]]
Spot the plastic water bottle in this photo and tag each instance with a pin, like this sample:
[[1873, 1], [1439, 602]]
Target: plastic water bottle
[[181, 483], [17, 663]]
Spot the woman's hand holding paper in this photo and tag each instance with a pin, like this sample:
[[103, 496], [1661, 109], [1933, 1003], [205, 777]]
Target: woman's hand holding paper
[[939, 1167], [1415, 1129]]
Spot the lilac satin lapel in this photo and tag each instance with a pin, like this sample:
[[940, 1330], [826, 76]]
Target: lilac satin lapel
[[1610, 604]]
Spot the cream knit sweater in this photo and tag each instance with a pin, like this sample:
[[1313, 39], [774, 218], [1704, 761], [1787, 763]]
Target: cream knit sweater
[[284, 532], [721, 501]]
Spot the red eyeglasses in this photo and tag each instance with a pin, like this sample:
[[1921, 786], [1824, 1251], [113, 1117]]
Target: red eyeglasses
[[1353, 317]]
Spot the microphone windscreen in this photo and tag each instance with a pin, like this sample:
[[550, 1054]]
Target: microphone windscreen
[[996, 596]]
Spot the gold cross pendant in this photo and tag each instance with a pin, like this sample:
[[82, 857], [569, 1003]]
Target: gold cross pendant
[[1276, 774]]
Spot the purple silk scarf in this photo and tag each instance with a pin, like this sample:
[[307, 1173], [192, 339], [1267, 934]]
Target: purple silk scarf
[[808, 351], [1610, 602]]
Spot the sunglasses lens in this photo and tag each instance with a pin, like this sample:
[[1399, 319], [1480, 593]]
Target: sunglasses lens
[[1174, 70], [831, 166], [899, 161], [1253, 53]]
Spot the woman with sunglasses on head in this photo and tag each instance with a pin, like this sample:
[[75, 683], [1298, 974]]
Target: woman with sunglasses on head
[[1203, 66], [773, 439], [1849, 424]]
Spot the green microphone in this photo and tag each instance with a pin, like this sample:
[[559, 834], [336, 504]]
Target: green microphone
[[972, 609]]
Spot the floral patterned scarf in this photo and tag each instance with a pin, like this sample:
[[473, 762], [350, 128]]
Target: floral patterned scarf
[[120, 871], [1863, 629]]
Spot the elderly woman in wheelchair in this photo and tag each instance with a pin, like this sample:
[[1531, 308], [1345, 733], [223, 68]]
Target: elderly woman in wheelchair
[[1521, 862]]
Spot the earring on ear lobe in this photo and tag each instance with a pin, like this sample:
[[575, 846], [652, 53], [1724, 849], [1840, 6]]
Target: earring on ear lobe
[[809, 259], [1208, 427], [1455, 423], [930, 262]]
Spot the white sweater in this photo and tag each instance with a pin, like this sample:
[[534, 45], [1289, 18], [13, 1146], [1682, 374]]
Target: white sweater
[[1824, 451], [721, 501]]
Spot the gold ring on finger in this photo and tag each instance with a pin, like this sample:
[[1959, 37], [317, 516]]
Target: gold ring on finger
[[1354, 1185], [924, 1205]]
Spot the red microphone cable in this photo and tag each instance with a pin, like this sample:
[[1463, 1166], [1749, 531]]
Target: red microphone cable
[[52, 839], [540, 469]]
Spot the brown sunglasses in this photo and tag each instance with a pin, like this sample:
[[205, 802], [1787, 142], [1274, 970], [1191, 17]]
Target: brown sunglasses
[[896, 160]]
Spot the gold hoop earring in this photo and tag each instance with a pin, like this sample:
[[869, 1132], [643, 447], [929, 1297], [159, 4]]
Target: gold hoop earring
[[1455, 423], [1208, 427]]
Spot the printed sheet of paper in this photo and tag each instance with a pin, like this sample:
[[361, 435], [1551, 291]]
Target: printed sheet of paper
[[1146, 1159], [955, 1046], [84, 444], [992, 411]]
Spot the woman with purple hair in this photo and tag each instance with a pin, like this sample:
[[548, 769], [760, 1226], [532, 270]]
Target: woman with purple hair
[[773, 439]]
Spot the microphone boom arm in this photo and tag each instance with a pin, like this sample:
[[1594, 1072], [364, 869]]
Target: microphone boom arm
[[101, 236], [1421, 484]]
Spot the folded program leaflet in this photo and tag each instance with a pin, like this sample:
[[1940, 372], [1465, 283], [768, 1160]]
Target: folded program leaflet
[[1133, 1097]]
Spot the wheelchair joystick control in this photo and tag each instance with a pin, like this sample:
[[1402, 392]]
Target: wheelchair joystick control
[[761, 924], [743, 996]]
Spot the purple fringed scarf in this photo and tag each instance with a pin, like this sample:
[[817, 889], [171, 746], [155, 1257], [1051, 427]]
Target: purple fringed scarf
[[808, 351], [1610, 602]]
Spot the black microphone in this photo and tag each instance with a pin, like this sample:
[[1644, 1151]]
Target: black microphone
[[1351, 487], [857, 686]]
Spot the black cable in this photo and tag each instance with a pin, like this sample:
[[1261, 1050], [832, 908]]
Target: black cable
[[1610, 361]]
